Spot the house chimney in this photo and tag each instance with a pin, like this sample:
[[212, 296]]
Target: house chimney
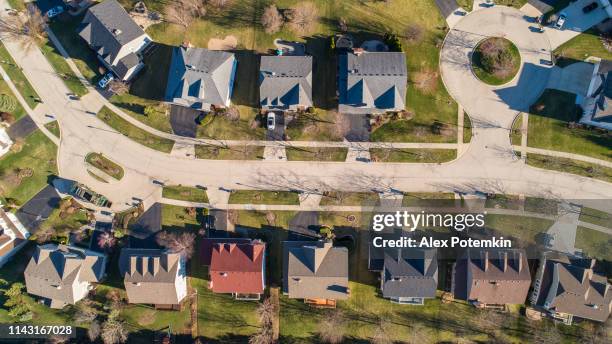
[[486, 261]]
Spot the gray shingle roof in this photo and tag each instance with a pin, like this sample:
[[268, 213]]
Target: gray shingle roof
[[107, 27], [285, 82], [315, 269], [54, 269], [372, 82], [410, 273], [199, 78], [149, 275]]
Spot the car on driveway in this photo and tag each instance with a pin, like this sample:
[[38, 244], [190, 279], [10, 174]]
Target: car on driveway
[[561, 21], [271, 121], [106, 80], [54, 11], [590, 7]]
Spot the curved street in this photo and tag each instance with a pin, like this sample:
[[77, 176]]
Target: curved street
[[488, 165]]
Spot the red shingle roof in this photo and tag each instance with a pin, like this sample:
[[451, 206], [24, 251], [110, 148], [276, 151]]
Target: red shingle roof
[[237, 268]]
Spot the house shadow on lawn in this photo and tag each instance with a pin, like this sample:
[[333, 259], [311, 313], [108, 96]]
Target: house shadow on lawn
[[151, 82]]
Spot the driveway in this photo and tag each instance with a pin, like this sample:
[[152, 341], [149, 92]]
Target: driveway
[[576, 22], [38, 209], [575, 78], [22, 128], [359, 128], [183, 120], [279, 128], [447, 7], [305, 223], [143, 232]]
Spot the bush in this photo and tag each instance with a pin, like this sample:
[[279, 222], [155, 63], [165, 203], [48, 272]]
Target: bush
[[8, 118], [393, 42], [271, 19], [496, 56]]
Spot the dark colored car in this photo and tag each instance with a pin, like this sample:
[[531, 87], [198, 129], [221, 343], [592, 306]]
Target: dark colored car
[[590, 7]]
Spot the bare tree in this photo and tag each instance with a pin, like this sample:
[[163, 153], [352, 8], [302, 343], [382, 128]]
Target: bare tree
[[266, 311], [181, 243], [118, 87], [93, 332], [114, 332], [29, 28], [303, 17], [271, 19], [85, 313], [106, 240], [547, 334], [263, 336], [331, 328], [184, 12]]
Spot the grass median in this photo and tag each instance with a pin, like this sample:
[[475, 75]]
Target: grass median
[[580, 168], [412, 155], [264, 197], [229, 153], [316, 153], [105, 165], [141, 136]]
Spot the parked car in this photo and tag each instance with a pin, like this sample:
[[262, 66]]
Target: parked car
[[55, 11], [271, 120], [590, 7], [106, 80], [561, 21]]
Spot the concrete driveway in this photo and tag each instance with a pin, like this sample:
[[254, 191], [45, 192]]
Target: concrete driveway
[[22, 128], [183, 120], [576, 23], [38, 209], [278, 133], [574, 78]]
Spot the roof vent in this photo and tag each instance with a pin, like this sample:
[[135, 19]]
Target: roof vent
[[224, 274], [116, 32]]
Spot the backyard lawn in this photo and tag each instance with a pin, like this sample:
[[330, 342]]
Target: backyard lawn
[[105, 165], [264, 197], [25, 173], [548, 127], [14, 72], [413, 155], [229, 153], [316, 153], [58, 62], [584, 45], [135, 133], [570, 166], [185, 193]]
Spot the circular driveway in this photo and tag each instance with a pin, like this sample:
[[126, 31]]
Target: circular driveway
[[495, 105]]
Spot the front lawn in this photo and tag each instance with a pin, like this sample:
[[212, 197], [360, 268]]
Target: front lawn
[[58, 62], [150, 112], [25, 172], [594, 244], [548, 127], [133, 132], [526, 229], [105, 165], [584, 45], [570, 166], [596, 217], [316, 153], [9, 103], [350, 198], [264, 197], [54, 128], [428, 199], [229, 153], [413, 155], [175, 217], [219, 127], [19, 79], [185, 193]]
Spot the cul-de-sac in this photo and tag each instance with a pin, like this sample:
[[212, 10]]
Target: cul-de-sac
[[306, 171]]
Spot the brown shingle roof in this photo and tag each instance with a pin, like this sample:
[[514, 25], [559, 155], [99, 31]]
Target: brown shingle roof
[[238, 268]]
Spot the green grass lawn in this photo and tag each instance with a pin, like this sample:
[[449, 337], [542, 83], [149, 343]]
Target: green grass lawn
[[511, 3], [466, 4], [133, 132], [38, 156], [429, 199], [9, 102], [525, 229], [594, 243], [229, 153], [548, 127], [185, 193], [54, 128], [488, 76], [221, 128], [542, 206], [180, 218], [467, 128], [515, 133], [158, 117], [62, 222], [350, 198], [58, 62], [316, 153], [570, 166], [264, 197], [318, 126], [14, 72], [104, 164], [501, 201], [596, 217], [65, 28], [584, 45], [412, 155]]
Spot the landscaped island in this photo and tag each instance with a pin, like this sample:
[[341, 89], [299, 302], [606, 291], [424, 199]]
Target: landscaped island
[[496, 61]]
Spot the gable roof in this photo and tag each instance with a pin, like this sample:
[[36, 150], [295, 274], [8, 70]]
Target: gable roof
[[54, 269], [599, 105], [315, 269], [237, 268], [207, 245], [372, 82], [199, 78], [410, 273], [571, 286], [150, 275], [496, 276], [107, 27], [285, 81]]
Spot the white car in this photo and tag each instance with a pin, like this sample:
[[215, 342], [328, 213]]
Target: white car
[[106, 80], [561, 21], [271, 120], [55, 11]]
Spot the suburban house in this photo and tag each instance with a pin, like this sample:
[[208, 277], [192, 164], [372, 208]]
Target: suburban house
[[567, 287], [492, 277], [315, 271], [154, 276], [597, 105], [62, 274], [236, 268], [409, 276], [13, 235], [372, 82], [201, 79], [115, 37], [285, 82]]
